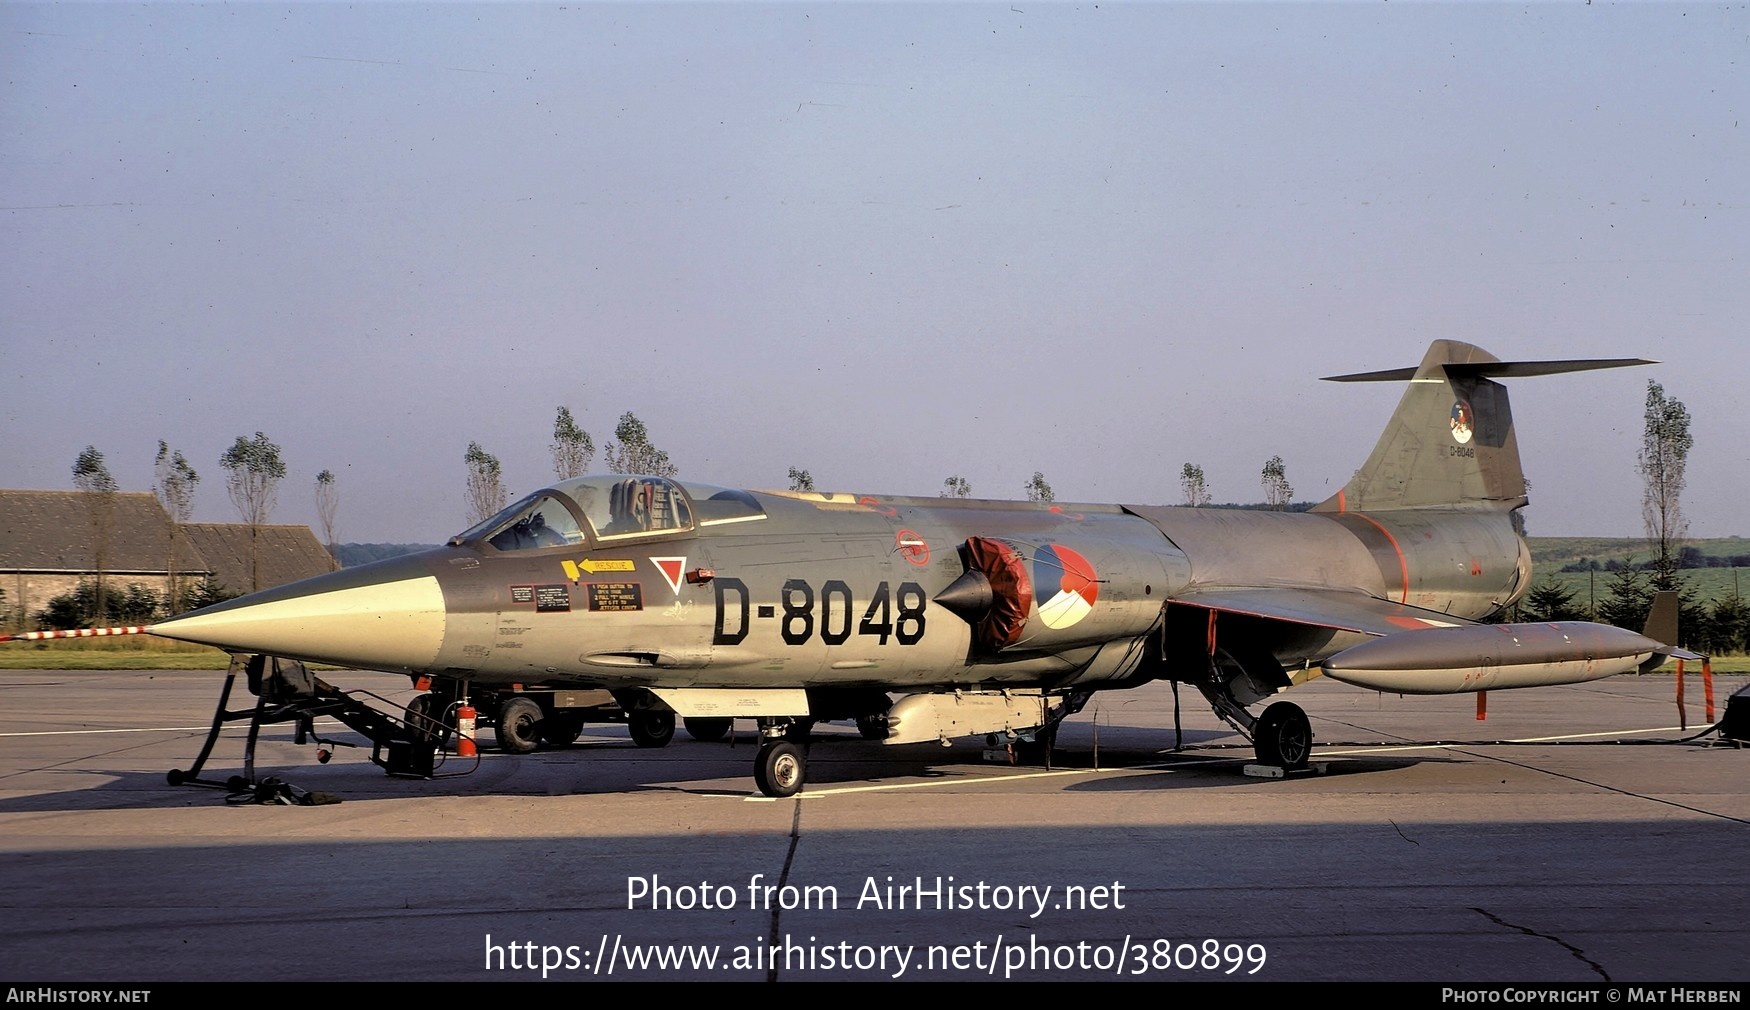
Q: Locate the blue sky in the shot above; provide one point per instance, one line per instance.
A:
(886, 243)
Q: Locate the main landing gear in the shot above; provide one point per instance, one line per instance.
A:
(782, 765)
(1282, 735)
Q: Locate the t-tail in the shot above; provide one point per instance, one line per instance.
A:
(1451, 441)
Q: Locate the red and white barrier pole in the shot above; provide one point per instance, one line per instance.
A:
(43, 636)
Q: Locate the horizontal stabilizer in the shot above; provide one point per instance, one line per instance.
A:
(1496, 369)
(1451, 441)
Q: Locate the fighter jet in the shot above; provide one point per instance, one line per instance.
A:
(929, 619)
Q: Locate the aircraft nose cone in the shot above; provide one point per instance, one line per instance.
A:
(385, 616)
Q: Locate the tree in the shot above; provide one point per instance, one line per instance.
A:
(254, 470)
(204, 593)
(634, 453)
(486, 494)
(801, 480)
(1277, 491)
(572, 447)
(1196, 490)
(174, 482)
(91, 477)
(1551, 601)
(956, 487)
(327, 505)
(1665, 446)
(1728, 625)
(134, 604)
(1628, 599)
(1038, 490)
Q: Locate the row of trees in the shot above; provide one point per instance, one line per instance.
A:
(1717, 626)
(572, 449)
(254, 468)
(631, 451)
(1278, 493)
(129, 604)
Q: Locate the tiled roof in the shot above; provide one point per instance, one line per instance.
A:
(54, 531)
(285, 554)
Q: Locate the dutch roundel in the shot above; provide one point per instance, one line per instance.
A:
(1077, 586)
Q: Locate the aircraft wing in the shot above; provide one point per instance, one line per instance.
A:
(1322, 608)
(1448, 655)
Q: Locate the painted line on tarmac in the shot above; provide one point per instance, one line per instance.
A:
(1486, 743)
(968, 781)
(92, 732)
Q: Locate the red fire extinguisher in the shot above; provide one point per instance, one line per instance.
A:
(465, 731)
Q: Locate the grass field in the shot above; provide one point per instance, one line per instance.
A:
(1590, 588)
(133, 653)
(1558, 551)
(1549, 555)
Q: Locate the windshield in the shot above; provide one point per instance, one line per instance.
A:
(540, 520)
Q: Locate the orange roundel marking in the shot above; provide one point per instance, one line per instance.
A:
(913, 547)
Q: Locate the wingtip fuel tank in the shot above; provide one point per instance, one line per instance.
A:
(1490, 657)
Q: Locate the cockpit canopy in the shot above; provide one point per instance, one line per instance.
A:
(610, 507)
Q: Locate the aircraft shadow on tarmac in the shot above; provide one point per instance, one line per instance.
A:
(604, 762)
(1330, 901)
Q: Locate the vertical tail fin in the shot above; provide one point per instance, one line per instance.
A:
(1451, 441)
(1662, 618)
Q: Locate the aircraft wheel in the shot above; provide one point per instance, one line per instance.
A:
(422, 720)
(780, 769)
(1283, 736)
(519, 725)
(798, 731)
(561, 731)
(651, 728)
(708, 730)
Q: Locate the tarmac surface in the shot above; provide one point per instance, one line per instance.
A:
(1435, 848)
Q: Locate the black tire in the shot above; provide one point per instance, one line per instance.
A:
(708, 730)
(780, 769)
(872, 726)
(798, 732)
(561, 730)
(519, 725)
(651, 727)
(1283, 736)
(423, 721)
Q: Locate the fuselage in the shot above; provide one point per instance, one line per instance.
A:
(626, 582)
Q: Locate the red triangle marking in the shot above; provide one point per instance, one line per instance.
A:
(671, 570)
